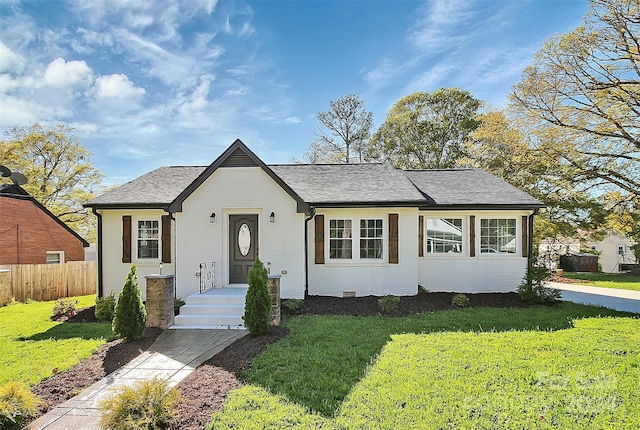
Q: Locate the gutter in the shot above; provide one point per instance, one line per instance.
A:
(312, 214)
(100, 284)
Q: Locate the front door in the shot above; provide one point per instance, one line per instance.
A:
(243, 246)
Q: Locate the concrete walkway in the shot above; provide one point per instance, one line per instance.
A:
(621, 300)
(173, 356)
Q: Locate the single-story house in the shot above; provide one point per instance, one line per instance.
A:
(31, 234)
(333, 230)
(615, 251)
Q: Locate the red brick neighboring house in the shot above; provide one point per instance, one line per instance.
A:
(31, 234)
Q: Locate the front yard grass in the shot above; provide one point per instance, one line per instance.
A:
(468, 368)
(622, 281)
(33, 347)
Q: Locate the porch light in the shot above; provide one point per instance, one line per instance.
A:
(272, 217)
(212, 218)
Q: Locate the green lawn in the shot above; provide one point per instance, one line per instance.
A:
(32, 346)
(608, 280)
(468, 368)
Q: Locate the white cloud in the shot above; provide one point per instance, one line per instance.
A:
(117, 87)
(60, 74)
(292, 120)
(9, 60)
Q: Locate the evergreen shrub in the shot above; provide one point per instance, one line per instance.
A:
(17, 404)
(129, 321)
(533, 288)
(105, 307)
(257, 308)
(145, 405)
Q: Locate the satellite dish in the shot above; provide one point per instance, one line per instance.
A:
(4, 171)
(18, 178)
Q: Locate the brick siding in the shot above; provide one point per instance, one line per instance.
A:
(27, 233)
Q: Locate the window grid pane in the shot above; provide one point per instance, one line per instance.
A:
(371, 238)
(148, 239)
(498, 236)
(444, 235)
(340, 234)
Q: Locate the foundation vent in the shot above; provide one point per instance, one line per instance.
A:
(348, 294)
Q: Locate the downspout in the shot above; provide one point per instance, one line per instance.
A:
(100, 285)
(312, 214)
(174, 232)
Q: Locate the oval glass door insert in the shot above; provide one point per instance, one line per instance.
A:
(244, 240)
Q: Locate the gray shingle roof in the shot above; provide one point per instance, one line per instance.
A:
(156, 188)
(348, 183)
(468, 187)
(339, 184)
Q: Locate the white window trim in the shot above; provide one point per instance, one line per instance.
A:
(136, 238)
(498, 255)
(355, 259)
(447, 255)
(59, 253)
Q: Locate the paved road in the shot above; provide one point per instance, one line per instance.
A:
(621, 300)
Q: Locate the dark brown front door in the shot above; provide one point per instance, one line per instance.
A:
(243, 246)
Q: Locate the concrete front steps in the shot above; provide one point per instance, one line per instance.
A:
(217, 308)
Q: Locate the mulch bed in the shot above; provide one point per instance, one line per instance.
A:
(205, 390)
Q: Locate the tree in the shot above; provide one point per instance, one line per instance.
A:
(504, 149)
(347, 126)
(130, 319)
(424, 130)
(582, 96)
(59, 170)
(257, 309)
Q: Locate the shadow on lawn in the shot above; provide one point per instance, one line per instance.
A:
(69, 330)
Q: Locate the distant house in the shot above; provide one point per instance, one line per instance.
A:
(550, 249)
(615, 250)
(31, 234)
(332, 230)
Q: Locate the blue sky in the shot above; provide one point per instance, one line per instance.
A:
(153, 83)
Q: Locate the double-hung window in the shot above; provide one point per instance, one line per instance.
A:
(55, 257)
(371, 238)
(364, 242)
(498, 236)
(340, 239)
(444, 235)
(148, 239)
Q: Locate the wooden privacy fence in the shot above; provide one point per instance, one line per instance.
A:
(44, 282)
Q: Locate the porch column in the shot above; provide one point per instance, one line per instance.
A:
(274, 292)
(159, 303)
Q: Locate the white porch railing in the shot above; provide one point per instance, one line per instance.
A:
(207, 275)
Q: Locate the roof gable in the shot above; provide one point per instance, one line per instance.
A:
(20, 194)
(237, 155)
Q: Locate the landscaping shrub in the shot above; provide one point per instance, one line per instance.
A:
(257, 309)
(177, 303)
(461, 301)
(105, 307)
(17, 404)
(389, 304)
(130, 315)
(292, 305)
(533, 289)
(65, 306)
(145, 405)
